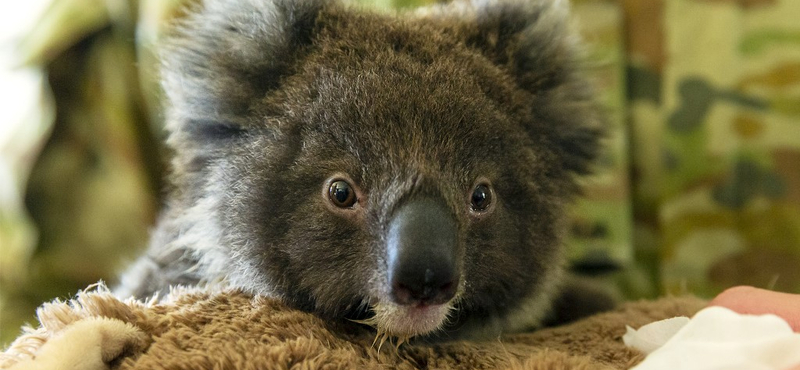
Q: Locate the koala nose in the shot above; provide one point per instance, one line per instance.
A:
(422, 254)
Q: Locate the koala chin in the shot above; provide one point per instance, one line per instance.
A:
(409, 171)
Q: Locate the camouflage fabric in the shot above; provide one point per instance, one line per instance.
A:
(729, 155)
(699, 189)
(714, 100)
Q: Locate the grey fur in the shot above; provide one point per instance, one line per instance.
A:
(266, 100)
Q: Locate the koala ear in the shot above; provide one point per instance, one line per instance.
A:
(535, 43)
(224, 56)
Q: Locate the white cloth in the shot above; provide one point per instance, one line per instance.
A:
(717, 338)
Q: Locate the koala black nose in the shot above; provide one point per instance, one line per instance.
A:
(422, 254)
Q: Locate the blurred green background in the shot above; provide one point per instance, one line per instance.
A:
(699, 190)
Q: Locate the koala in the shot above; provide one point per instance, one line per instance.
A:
(409, 171)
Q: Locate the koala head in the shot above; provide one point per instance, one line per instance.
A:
(407, 170)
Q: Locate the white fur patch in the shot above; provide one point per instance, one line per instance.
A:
(404, 322)
(207, 241)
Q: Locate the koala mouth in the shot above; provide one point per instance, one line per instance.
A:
(405, 321)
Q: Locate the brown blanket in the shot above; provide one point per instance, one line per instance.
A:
(192, 329)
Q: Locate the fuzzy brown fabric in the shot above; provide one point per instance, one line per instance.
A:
(192, 329)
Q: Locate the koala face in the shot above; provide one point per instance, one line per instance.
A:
(407, 171)
(405, 190)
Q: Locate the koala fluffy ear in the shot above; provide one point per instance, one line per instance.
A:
(534, 41)
(225, 55)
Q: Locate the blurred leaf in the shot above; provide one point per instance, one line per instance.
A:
(62, 25)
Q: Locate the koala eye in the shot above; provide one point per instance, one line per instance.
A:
(481, 198)
(341, 194)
